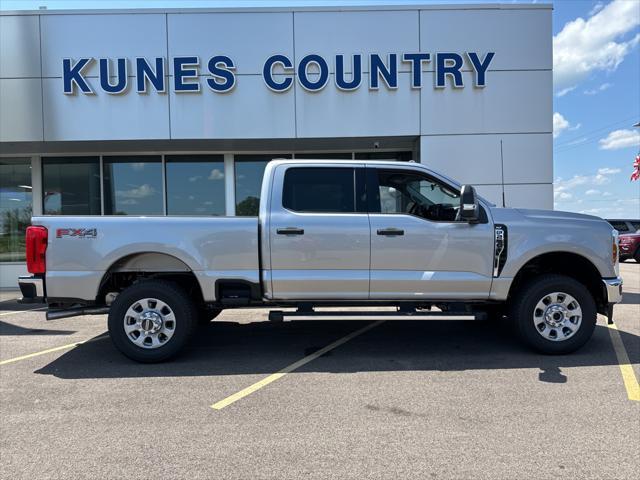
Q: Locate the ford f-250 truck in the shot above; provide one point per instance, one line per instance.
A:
(331, 233)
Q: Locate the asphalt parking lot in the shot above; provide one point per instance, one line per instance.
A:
(421, 399)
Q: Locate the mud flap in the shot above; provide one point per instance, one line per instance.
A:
(610, 313)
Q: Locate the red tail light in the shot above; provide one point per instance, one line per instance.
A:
(36, 247)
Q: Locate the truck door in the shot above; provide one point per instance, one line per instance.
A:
(418, 249)
(319, 233)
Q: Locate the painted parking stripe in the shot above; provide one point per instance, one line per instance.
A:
(51, 350)
(628, 375)
(294, 366)
(23, 311)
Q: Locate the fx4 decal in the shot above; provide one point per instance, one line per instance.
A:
(77, 232)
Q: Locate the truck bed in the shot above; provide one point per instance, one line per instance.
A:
(82, 249)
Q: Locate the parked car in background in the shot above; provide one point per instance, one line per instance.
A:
(625, 226)
(630, 246)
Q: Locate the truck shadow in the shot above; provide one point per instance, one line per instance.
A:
(226, 348)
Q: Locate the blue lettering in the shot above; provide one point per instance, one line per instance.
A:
(144, 74)
(72, 75)
(444, 67)
(356, 75)
(323, 77)
(416, 60)
(121, 83)
(267, 73)
(378, 69)
(480, 67)
(221, 68)
(182, 74)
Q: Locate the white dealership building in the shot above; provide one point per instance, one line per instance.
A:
(177, 112)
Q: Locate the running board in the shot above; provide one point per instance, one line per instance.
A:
(279, 315)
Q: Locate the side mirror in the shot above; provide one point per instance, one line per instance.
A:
(469, 208)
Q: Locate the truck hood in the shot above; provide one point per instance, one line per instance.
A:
(557, 215)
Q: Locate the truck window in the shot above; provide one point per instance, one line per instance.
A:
(415, 194)
(319, 190)
(635, 225)
(620, 226)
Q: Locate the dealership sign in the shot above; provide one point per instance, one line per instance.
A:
(278, 72)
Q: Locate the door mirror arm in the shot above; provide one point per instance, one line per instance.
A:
(469, 207)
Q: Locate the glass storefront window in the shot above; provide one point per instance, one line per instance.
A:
(397, 156)
(71, 185)
(133, 185)
(195, 184)
(15, 207)
(249, 172)
(324, 156)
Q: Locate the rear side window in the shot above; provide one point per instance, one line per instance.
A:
(620, 226)
(635, 225)
(319, 190)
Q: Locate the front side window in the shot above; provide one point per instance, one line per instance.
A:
(319, 190)
(71, 185)
(415, 194)
(195, 184)
(15, 207)
(133, 185)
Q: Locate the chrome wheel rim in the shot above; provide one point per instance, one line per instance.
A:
(149, 323)
(557, 316)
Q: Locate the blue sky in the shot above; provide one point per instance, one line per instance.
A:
(596, 92)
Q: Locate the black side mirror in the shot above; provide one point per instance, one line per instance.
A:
(469, 208)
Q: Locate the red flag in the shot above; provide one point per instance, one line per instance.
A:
(636, 169)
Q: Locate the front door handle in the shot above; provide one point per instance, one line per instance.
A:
(290, 231)
(390, 232)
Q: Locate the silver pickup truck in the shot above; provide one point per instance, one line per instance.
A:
(331, 233)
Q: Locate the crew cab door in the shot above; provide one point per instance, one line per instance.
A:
(319, 232)
(418, 248)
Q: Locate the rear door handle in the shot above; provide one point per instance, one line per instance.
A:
(290, 231)
(390, 231)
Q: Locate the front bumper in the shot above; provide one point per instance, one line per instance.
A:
(32, 289)
(613, 287)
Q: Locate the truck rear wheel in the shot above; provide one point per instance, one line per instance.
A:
(554, 314)
(151, 321)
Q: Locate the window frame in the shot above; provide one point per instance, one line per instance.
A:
(359, 189)
(374, 202)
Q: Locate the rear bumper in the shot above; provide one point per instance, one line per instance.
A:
(32, 289)
(613, 287)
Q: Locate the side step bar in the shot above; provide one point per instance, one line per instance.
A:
(279, 315)
(75, 312)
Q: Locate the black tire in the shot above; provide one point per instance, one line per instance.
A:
(636, 256)
(206, 314)
(183, 310)
(523, 306)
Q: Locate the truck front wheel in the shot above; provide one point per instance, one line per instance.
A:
(151, 321)
(554, 314)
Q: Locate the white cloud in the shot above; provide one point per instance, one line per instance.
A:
(142, 191)
(608, 171)
(216, 174)
(620, 139)
(560, 124)
(601, 88)
(596, 8)
(592, 192)
(564, 91)
(596, 44)
(195, 178)
(562, 196)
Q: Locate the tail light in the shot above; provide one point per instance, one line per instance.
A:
(36, 241)
(615, 242)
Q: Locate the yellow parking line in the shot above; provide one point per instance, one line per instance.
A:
(51, 350)
(628, 375)
(22, 311)
(294, 366)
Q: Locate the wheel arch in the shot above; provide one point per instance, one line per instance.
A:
(570, 264)
(136, 267)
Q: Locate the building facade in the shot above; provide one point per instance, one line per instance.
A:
(177, 112)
